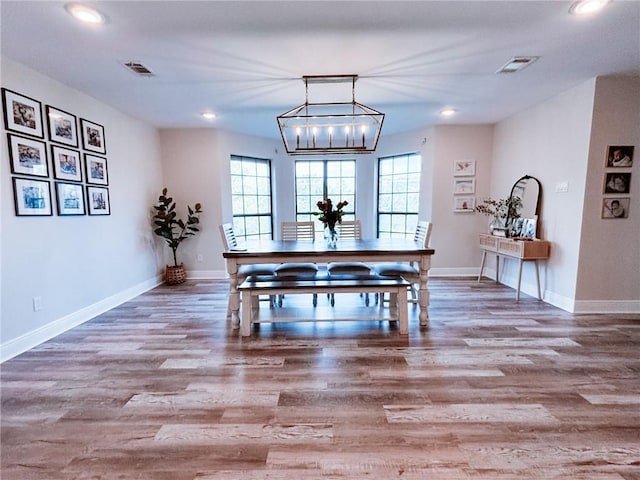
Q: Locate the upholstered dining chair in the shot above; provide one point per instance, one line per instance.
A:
(349, 229)
(230, 242)
(409, 271)
(290, 231)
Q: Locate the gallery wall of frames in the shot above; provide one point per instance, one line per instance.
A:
(62, 161)
(617, 181)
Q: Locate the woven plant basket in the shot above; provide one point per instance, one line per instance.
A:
(175, 275)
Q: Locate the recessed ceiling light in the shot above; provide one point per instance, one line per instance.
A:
(208, 115)
(587, 7)
(84, 13)
(447, 112)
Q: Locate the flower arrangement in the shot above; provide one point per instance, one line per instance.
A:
(328, 215)
(500, 209)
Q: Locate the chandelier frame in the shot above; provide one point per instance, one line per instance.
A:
(330, 127)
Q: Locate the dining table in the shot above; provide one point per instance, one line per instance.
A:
(370, 251)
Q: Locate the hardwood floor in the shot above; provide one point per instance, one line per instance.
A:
(161, 388)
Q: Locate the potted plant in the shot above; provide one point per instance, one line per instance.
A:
(174, 230)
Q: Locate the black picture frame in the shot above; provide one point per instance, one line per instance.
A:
(67, 164)
(27, 156)
(98, 202)
(22, 114)
(63, 127)
(615, 207)
(70, 198)
(96, 169)
(617, 182)
(619, 156)
(92, 136)
(32, 198)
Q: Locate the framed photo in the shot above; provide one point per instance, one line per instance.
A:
(22, 114)
(70, 198)
(96, 169)
(62, 126)
(92, 136)
(464, 204)
(98, 201)
(31, 197)
(620, 156)
(462, 168)
(529, 227)
(66, 164)
(464, 186)
(28, 156)
(617, 182)
(615, 207)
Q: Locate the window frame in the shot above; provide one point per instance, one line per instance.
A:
(410, 217)
(240, 229)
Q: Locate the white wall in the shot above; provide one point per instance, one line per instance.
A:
(79, 266)
(550, 142)
(609, 269)
(196, 169)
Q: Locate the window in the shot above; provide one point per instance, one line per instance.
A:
(320, 179)
(251, 197)
(398, 195)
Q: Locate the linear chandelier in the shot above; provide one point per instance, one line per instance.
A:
(330, 128)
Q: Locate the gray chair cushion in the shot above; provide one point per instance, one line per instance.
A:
(264, 269)
(348, 267)
(296, 269)
(398, 269)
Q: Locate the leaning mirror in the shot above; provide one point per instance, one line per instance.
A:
(525, 225)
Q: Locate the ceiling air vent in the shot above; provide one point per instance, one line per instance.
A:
(139, 69)
(516, 64)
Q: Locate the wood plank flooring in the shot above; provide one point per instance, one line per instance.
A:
(161, 388)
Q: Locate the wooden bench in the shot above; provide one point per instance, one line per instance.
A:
(254, 286)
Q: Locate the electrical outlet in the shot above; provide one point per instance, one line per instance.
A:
(200, 258)
(37, 304)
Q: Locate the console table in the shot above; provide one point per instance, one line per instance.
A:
(522, 250)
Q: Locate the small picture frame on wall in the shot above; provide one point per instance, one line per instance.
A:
(96, 169)
(31, 197)
(464, 186)
(28, 156)
(62, 126)
(66, 164)
(615, 207)
(70, 198)
(92, 136)
(464, 168)
(617, 182)
(98, 201)
(22, 114)
(620, 156)
(464, 204)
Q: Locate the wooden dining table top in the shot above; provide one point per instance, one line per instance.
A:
(346, 247)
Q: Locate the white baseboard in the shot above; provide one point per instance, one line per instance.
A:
(607, 306)
(206, 274)
(454, 272)
(40, 335)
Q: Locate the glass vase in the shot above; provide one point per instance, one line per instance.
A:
(331, 236)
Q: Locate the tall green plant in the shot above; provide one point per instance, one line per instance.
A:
(174, 230)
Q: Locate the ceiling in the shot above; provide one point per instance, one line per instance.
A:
(244, 60)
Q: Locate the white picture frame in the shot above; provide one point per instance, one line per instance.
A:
(464, 168)
(464, 204)
(464, 186)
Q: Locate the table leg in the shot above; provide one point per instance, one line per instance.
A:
(497, 267)
(403, 315)
(425, 265)
(234, 296)
(520, 262)
(538, 279)
(247, 306)
(484, 258)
